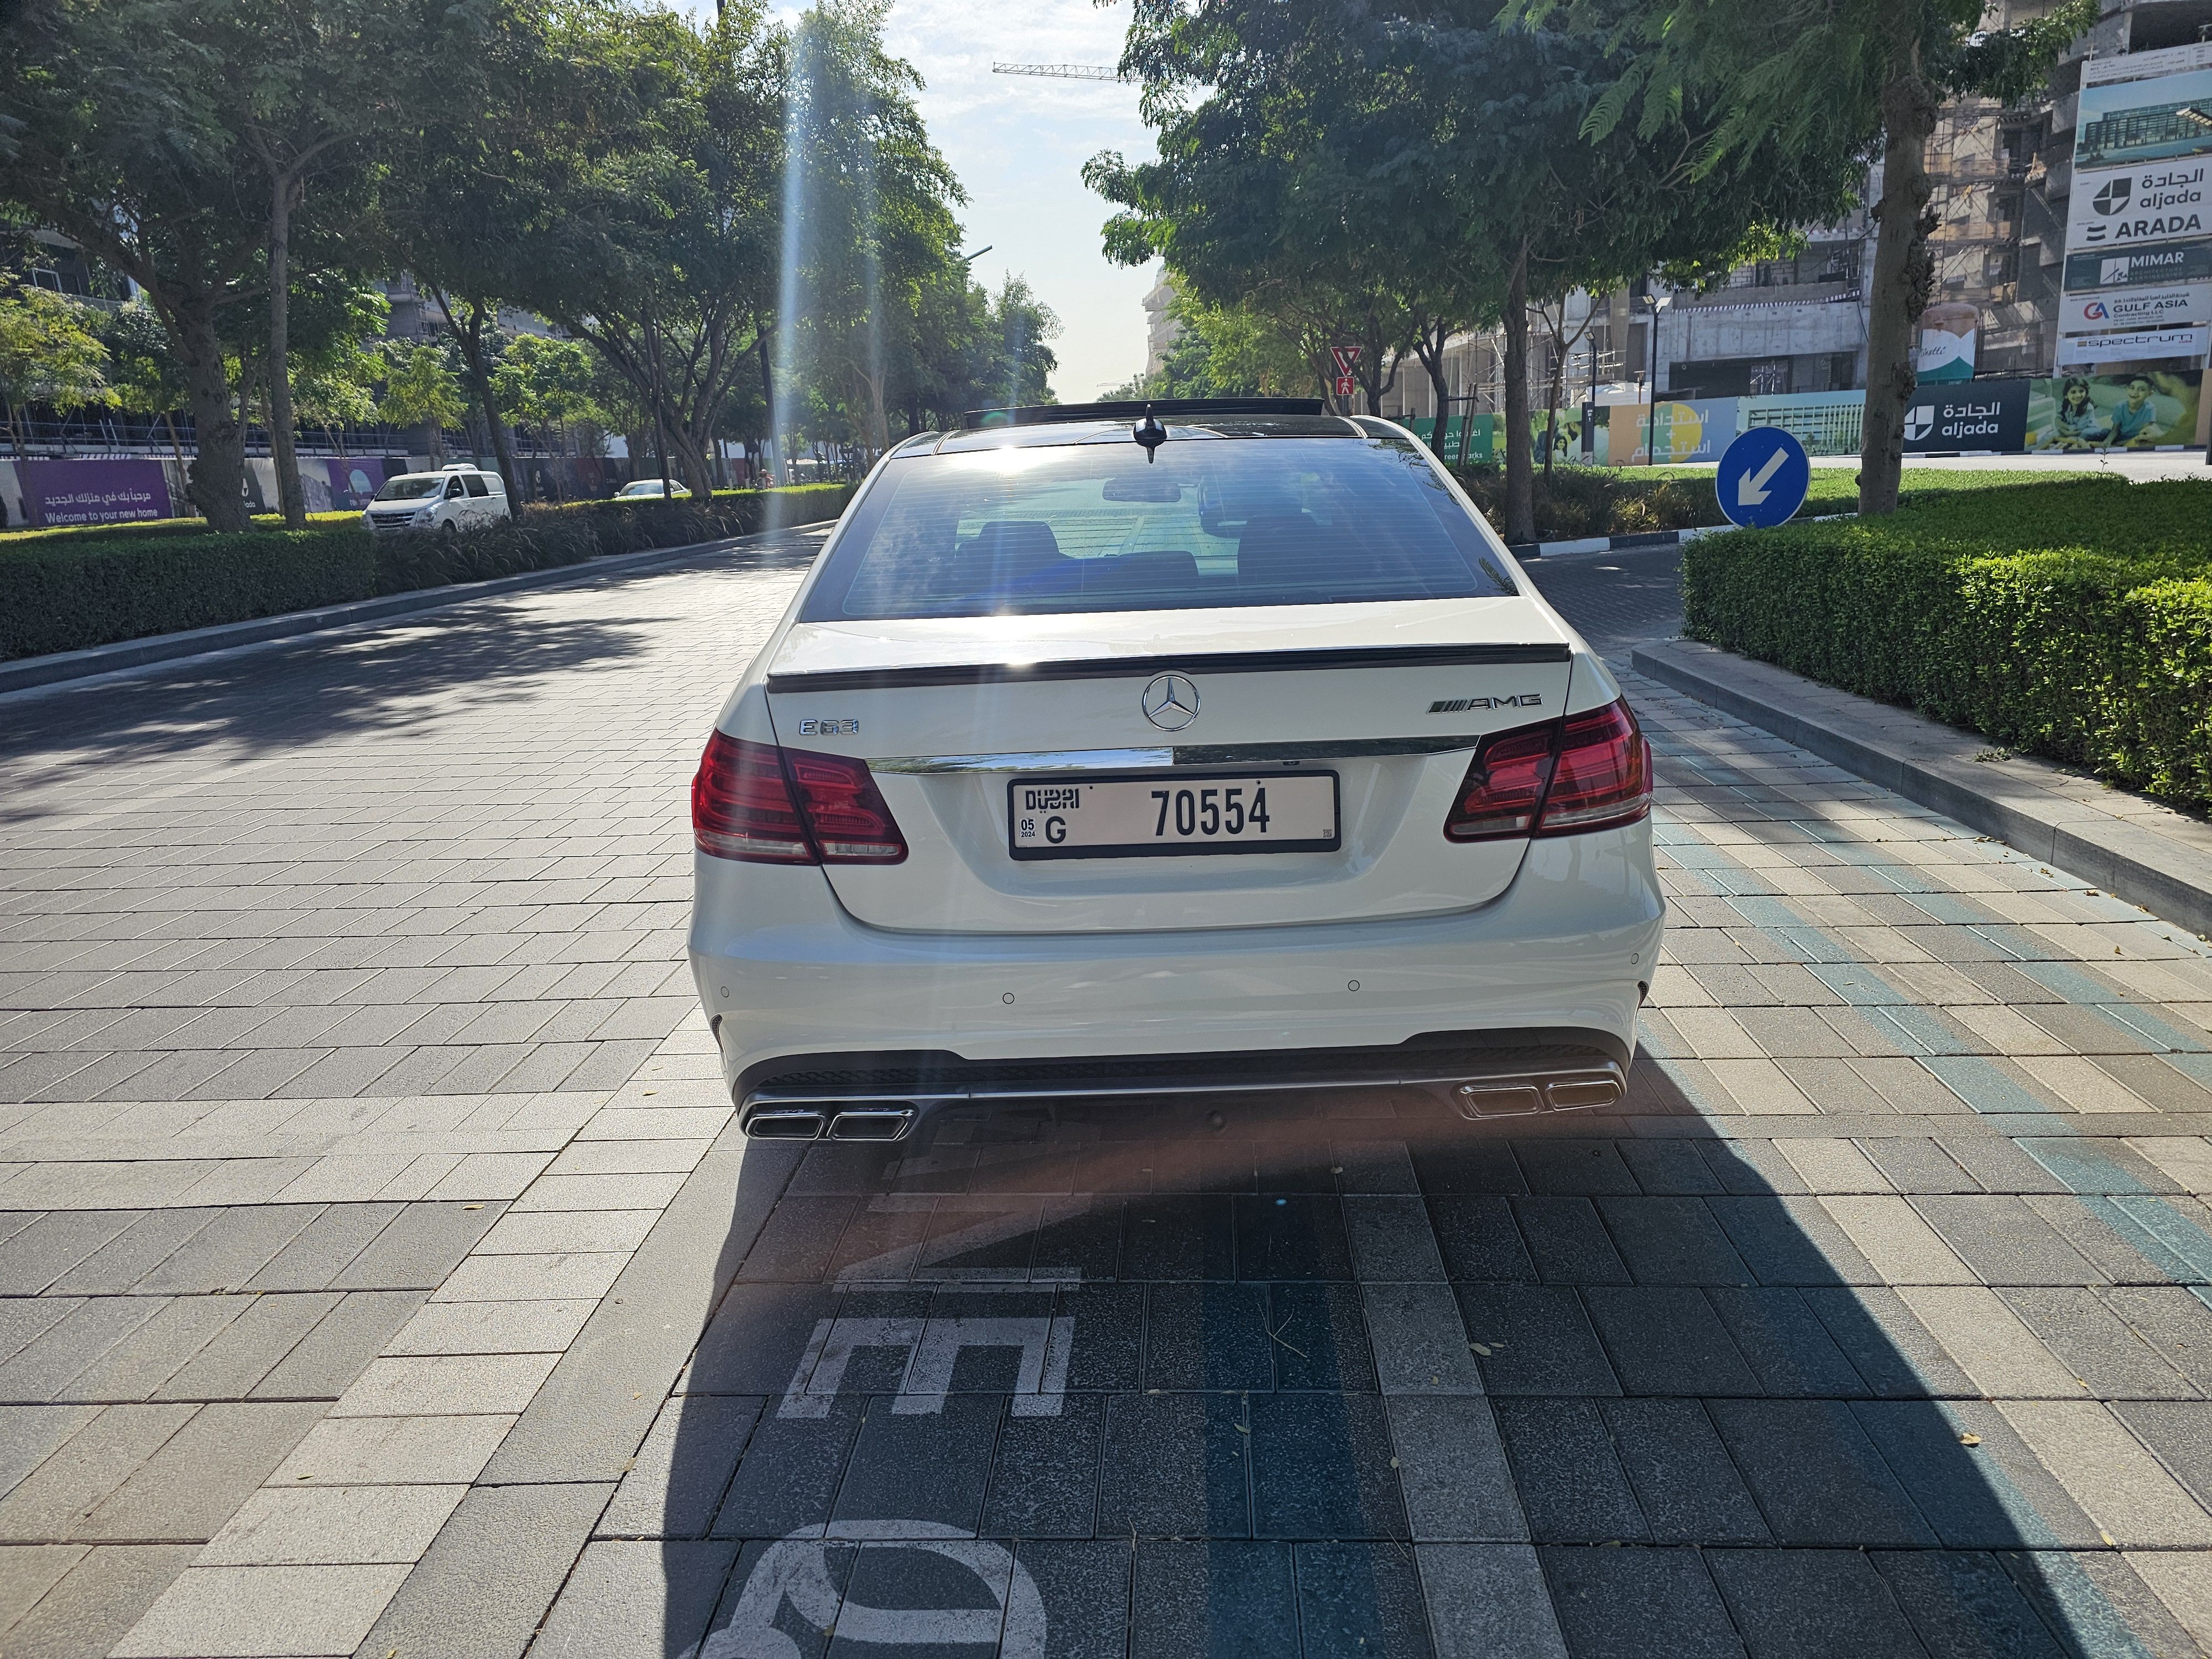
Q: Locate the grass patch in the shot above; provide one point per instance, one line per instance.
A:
(2070, 618)
(69, 589)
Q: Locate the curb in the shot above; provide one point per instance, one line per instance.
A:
(2148, 854)
(1612, 543)
(57, 667)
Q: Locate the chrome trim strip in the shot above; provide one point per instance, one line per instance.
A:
(1218, 754)
(788, 681)
(763, 1102)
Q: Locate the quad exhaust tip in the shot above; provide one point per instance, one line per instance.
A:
(880, 1124)
(1522, 1096)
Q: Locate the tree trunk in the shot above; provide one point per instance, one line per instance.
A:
(14, 436)
(1520, 473)
(769, 458)
(471, 339)
(176, 444)
(1903, 274)
(217, 477)
(291, 499)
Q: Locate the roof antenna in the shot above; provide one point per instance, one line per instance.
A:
(1150, 433)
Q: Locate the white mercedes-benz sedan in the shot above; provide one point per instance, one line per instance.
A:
(1113, 751)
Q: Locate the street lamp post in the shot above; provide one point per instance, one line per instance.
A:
(1651, 412)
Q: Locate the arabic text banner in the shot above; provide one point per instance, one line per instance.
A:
(59, 493)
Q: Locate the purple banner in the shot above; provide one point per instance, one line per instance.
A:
(352, 482)
(56, 493)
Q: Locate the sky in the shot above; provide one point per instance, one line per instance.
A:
(1018, 145)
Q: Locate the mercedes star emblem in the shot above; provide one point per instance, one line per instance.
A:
(1170, 703)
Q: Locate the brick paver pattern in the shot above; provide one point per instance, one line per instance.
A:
(380, 1272)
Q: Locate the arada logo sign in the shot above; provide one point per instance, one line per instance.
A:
(2137, 206)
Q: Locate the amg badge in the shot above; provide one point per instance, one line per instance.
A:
(1460, 705)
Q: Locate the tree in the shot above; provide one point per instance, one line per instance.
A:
(49, 355)
(420, 390)
(667, 229)
(552, 384)
(1426, 157)
(143, 370)
(307, 84)
(1819, 83)
(120, 144)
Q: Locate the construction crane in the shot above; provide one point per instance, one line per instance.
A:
(1062, 71)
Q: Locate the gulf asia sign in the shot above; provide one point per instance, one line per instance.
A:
(2136, 308)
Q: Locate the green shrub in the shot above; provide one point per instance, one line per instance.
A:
(75, 590)
(2070, 619)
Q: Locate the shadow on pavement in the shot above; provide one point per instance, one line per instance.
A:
(405, 673)
(1342, 1378)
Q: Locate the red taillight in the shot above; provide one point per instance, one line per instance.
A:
(1604, 776)
(1505, 787)
(1590, 771)
(770, 806)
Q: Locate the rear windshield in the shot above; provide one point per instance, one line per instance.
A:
(1211, 523)
(410, 489)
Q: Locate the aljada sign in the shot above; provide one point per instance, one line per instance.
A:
(2135, 205)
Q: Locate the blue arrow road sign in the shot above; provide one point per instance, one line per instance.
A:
(1763, 478)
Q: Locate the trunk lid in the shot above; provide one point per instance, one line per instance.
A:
(1389, 697)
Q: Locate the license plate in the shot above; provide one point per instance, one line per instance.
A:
(1171, 814)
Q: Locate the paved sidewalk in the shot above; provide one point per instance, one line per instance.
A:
(380, 1274)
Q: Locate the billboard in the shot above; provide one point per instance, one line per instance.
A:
(2128, 207)
(2144, 123)
(58, 493)
(1692, 430)
(2129, 309)
(1978, 415)
(2177, 261)
(2185, 346)
(2081, 413)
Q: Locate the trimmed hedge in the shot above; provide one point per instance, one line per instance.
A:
(2068, 619)
(1596, 501)
(68, 594)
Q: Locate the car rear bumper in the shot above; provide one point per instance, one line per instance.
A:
(798, 993)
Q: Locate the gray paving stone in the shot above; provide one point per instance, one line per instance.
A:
(43, 1370)
(1213, 1599)
(141, 1247)
(1488, 1601)
(919, 1467)
(105, 1594)
(2093, 1343)
(339, 1346)
(1419, 1342)
(1452, 1471)
(23, 1318)
(788, 1475)
(1479, 1239)
(484, 1584)
(1539, 1341)
(73, 1480)
(188, 1487)
(1963, 1604)
(1391, 1238)
(1084, 1587)
(2005, 1242)
(1683, 1480)
(1786, 1346)
(1571, 1487)
(1319, 1332)
(1812, 1604)
(1359, 1599)
(636, 1600)
(1887, 1345)
(1817, 1478)
(30, 1434)
(2173, 1321)
(1321, 1467)
(1667, 1340)
(1208, 1335)
(225, 1254)
(323, 1250)
(1569, 1242)
(1174, 1465)
(248, 1347)
(1791, 1241)
(27, 1571)
(33, 1258)
(418, 1248)
(1044, 1473)
(1638, 1604)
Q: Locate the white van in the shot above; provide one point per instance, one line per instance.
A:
(456, 498)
